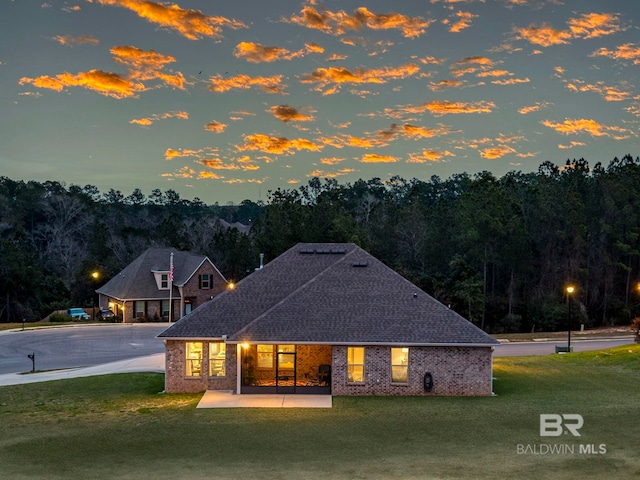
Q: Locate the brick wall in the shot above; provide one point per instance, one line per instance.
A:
(177, 382)
(455, 371)
(192, 288)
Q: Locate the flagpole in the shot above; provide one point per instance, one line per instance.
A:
(170, 287)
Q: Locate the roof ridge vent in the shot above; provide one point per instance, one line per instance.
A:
(306, 251)
(359, 264)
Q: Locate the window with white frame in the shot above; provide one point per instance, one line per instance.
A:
(164, 281)
(165, 308)
(217, 359)
(400, 365)
(205, 281)
(193, 359)
(355, 364)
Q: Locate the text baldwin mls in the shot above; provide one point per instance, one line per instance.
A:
(554, 425)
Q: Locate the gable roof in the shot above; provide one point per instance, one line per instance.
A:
(137, 280)
(327, 293)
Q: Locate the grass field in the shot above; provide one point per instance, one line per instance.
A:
(121, 427)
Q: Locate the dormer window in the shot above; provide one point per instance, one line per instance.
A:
(162, 280)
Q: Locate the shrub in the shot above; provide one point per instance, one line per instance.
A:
(59, 317)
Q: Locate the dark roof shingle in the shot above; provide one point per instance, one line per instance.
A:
(327, 293)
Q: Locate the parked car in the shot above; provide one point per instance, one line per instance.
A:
(78, 314)
(106, 314)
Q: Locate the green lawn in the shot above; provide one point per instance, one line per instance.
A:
(121, 427)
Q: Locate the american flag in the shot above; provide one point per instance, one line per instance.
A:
(171, 268)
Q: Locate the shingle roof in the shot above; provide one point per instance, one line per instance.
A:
(137, 281)
(327, 293)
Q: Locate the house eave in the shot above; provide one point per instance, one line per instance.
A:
(372, 344)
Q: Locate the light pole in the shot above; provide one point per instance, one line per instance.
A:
(95, 275)
(570, 290)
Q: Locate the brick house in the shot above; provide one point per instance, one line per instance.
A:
(327, 318)
(143, 291)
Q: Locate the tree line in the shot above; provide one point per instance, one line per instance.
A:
(499, 250)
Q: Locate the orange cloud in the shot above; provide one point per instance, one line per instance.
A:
(287, 113)
(375, 158)
(586, 125)
(191, 24)
(147, 65)
(438, 107)
(443, 84)
(610, 94)
(313, 48)
(337, 23)
(428, 156)
(217, 164)
(545, 35)
(571, 145)
(496, 152)
(628, 51)
(324, 77)
(342, 141)
(322, 174)
(273, 84)
(105, 83)
(431, 60)
(592, 25)
(277, 145)
(510, 81)
(145, 122)
(414, 131)
(73, 41)
(171, 153)
(256, 53)
(494, 73)
(184, 172)
(336, 57)
(463, 22)
(533, 108)
(204, 175)
(331, 160)
(215, 127)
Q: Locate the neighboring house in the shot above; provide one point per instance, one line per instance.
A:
(143, 291)
(327, 318)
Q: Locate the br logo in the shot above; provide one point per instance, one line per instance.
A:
(554, 425)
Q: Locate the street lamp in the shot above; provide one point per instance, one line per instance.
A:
(570, 290)
(95, 275)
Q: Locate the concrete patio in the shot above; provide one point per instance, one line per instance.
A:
(227, 399)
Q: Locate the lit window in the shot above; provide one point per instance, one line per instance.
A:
(265, 356)
(205, 281)
(355, 364)
(286, 357)
(164, 281)
(400, 365)
(193, 360)
(217, 356)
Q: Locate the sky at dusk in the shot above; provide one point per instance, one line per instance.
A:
(226, 100)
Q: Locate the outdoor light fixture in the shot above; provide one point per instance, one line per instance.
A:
(570, 290)
(231, 285)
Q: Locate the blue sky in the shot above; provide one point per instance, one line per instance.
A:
(225, 101)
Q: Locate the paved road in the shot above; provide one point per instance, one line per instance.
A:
(77, 346)
(519, 349)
